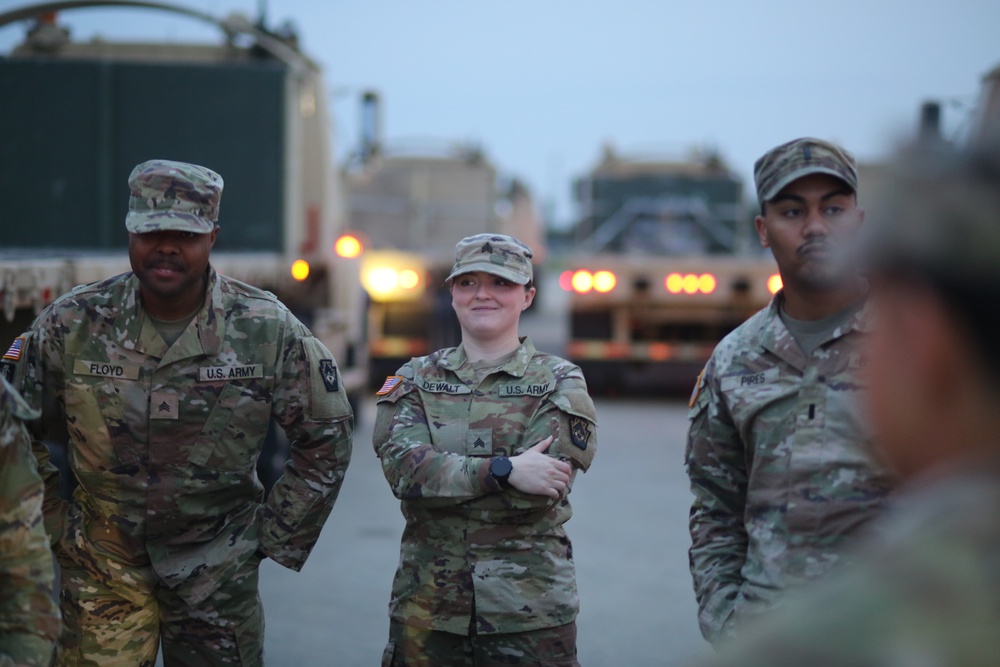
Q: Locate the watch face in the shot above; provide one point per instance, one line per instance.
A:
(501, 467)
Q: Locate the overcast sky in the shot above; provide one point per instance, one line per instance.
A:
(541, 85)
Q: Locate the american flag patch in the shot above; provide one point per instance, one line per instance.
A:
(390, 383)
(14, 352)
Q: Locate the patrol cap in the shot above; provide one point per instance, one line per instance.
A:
(173, 195)
(938, 214)
(800, 157)
(498, 254)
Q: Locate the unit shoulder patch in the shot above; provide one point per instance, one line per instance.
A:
(328, 371)
(579, 431)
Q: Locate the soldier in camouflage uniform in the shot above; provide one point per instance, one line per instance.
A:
(925, 590)
(780, 462)
(163, 381)
(29, 618)
(481, 443)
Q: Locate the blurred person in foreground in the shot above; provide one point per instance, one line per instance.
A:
(481, 443)
(163, 381)
(925, 591)
(782, 467)
(29, 617)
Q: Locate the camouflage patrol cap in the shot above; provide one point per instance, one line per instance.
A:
(173, 195)
(791, 161)
(498, 254)
(938, 213)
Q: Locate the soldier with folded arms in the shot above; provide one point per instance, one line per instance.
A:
(481, 444)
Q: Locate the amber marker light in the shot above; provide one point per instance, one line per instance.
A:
(774, 283)
(348, 247)
(604, 281)
(690, 283)
(674, 283)
(300, 269)
(583, 281)
(706, 283)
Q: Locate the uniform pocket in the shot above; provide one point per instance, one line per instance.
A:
(234, 430)
(95, 413)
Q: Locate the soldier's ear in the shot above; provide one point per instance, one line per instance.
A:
(761, 226)
(529, 298)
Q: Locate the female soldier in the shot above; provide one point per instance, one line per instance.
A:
(481, 443)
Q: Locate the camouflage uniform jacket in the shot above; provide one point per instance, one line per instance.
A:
(164, 440)
(780, 463)
(923, 590)
(470, 547)
(29, 618)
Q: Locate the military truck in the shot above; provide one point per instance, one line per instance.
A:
(664, 265)
(75, 118)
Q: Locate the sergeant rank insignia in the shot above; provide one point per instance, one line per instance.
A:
(390, 383)
(579, 432)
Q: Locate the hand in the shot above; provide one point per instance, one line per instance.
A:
(535, 472)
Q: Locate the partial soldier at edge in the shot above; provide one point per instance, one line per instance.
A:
(29, 617)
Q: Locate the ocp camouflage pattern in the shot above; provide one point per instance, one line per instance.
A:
(29, 618)
(922, 591)
(469, 545)
(180, 196)
(781, 465)
(797, 158)
(164, 441)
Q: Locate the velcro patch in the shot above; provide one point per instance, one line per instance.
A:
(390, 383)
(163, 406)
(210, 373)
(579, 431)
(749, 380)
(479, 442)
(328, 371)
(526, 389)
(106, 369)
(697, 389)
(14, 351)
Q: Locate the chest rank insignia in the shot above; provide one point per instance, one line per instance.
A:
(579, 432)
(390, 383)
(329, 373)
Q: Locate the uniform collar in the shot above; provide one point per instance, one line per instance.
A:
(203, 340)
(517, 366)
(777, 339)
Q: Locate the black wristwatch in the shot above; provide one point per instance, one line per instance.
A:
(500, 469)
